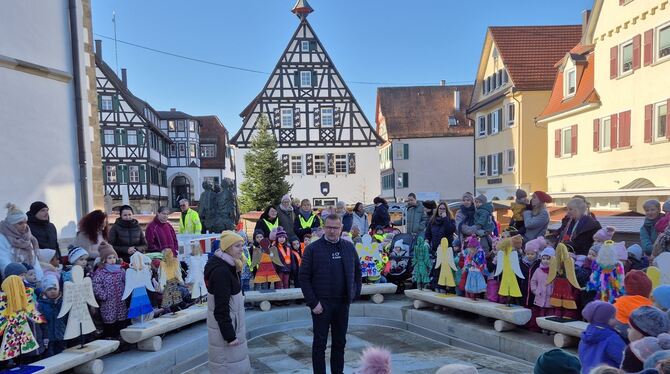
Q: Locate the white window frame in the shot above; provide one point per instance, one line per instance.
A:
(108, 137)
(632, 58)
(511, 119)
(510, 162)
(181, 125)
(111, 173)
(564, 144)
(132, 137)
(482, 166)
(287, 119)
(481, 131)
(191, 126)
(655, 124)
(296, 164)
(172, 126)
(133, 174)
(106, 103)
(494, 165)
(327, 117)
(163, 124)
(207, 150)
(399, 151)
(495, 122)
(304, 45)
(305, 78)
(605, 142)
(453, 121)
(657, 39)
(569, 81)
(320, 160)
(341, 160)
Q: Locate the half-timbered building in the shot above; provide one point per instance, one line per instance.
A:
(134, 149)
(321, 131)
(216, 158)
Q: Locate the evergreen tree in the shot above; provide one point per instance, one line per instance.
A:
(264, 179)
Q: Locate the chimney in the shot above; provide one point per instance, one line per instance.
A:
(457, 100)
(173, 109)
(586, 15)
(124, 77)
(443, 82)
(98, 48)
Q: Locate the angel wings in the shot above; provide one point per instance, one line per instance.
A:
(77, 295)
(445, 262)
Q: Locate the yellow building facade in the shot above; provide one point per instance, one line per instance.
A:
(622, 155)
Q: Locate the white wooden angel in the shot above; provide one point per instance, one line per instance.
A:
(77, 296)
(370, 256)
(445, 262)
(138, 281)
(662, 262)
(507, 263)
(195, 276)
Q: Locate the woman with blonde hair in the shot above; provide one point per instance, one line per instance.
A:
(226, 329)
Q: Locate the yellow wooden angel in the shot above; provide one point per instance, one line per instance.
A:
(507, 263)
(445, 262)
(562, 273)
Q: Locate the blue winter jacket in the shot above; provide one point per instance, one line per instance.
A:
(600, 344)
(50, 309)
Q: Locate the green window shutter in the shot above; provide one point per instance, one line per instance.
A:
(296, 79)
(140, 137)
(117, 137)
(143, 173)
(115, 103)
(104, 173)
(405, 151)
(405, 180)
(99, 102)
(119, 173)
(102, 137)
(314, 79)
(124, 137)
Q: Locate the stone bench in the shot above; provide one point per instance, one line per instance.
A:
(567, 333)
(83, 361)
(377, 290)
(147, 336)
(507, 317)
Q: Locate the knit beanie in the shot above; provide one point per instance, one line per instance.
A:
(36, 207)
(637, 283)
(105, 249)
(228, 238)
(604, 234)
(548, 252)
(473, 242)
(375, 361)
(666, 206)
(636, 251)
(15, 268)
(75, 253)
(457, 369)
(543, 196)
(649, 321)
(468, 195)
(15, 215)
(661, 295)
(520, 194)
(481, 198)
(654, 359)
(647, 346)
(557, 361)
(49, 282)
(598, 312)
(535, 245)
(280, 232)
(45, 254)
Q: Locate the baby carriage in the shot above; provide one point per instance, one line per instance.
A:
(400, 259)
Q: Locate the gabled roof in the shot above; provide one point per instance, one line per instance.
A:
(530, 52)
(420, 112)
(585, 93)
(174, 114)
(135, 103)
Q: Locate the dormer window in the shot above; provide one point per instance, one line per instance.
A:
(569, 82)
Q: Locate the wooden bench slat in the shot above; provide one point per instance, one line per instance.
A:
(164, 323)
(73, 357)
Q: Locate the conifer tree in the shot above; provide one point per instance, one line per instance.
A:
(264, 179)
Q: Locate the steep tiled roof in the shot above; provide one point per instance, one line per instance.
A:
(174, 114)
(585, 93)
(420, 112)
(530, 52)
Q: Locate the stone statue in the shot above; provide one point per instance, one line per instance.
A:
(219, 209)
(205, 205)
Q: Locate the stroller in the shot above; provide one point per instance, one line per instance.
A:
(401, 261)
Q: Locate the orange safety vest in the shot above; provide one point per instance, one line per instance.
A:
(297, 256)
(285, 254)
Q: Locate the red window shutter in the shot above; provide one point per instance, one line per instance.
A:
(624, 129)
(614, 127)
(596, 135)
(614, 62)
(637, 41)
(557, 143)
(573, 134)
(648, 47)
(648, 118)
(621, 2)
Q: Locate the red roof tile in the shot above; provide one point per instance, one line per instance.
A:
(530, 52)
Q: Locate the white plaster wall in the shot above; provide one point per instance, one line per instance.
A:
(443, 165)
(37, 115)
(362, 186)
(192, 173)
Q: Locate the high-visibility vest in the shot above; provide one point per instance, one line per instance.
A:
(306, 224)
(285, 254)
(271, 226)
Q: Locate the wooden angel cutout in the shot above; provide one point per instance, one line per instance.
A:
(138, 281)
(195, 276)
(77, 296)
(507, 263)
(421, 263)
(662, 262)
(369, 255)
(17, 313)
(562, 273)
(608, 273)
(263, 258)
(445, 262)
(169, 279)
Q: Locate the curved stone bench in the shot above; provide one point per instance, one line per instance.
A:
(507, 317)
(147, 336)
(83, 361)
(567, 333)
(377, 290)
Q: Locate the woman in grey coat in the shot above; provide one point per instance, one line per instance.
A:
(536, 220)
(226, 328)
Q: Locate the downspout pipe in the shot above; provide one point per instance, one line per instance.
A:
(518, 157)
(81, 138)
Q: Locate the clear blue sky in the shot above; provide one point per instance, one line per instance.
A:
(392, 42)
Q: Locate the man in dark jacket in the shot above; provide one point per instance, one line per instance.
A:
(43, 230)
(330, 279)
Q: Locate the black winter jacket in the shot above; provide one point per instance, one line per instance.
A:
(380, 217)
(297, 227)
(44, 232)
(438, 229)
(315, 275)
(126, 234)
(222, 281)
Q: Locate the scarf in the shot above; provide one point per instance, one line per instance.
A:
(238, 264)
(305, 215)
(24, 245)
(288, 210)
(469, 214)
(113, 268)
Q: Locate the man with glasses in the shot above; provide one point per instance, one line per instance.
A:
(330, 279)
(189, 222)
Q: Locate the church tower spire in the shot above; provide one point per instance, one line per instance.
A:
(302, 9)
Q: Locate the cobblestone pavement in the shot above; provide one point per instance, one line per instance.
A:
(290, 352)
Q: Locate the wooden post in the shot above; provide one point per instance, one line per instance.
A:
(500, 325)
(420, 304)
(565, 341)
(92, 367)
(153, 344)
(265, 305)
(377, 298)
